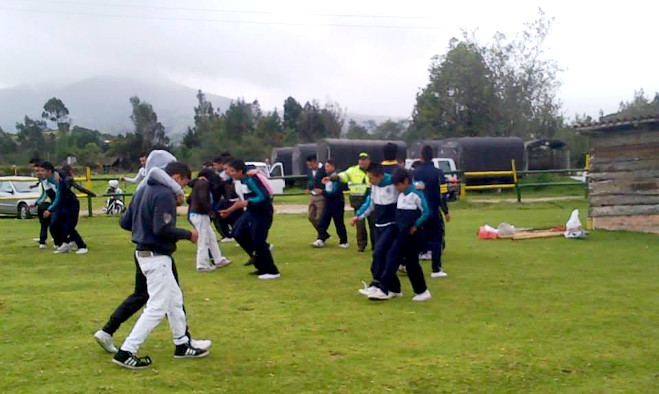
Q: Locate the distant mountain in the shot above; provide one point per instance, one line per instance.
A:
(103, 103)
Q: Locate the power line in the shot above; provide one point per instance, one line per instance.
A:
(215, 10)
(234, 21)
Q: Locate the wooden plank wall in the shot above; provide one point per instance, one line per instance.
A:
(624, 177)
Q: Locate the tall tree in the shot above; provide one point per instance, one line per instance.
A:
(147, 125)
(390, 130)
(292, 111)
(460, 99)
(55, 111)
(7, 144)
(31, 136)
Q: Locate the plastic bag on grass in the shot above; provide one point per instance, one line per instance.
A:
(573, 227)
(487, 232)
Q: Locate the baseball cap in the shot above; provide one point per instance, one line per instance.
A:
(364, 155)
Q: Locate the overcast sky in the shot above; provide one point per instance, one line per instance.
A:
(269, 50)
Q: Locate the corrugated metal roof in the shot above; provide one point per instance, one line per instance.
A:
(619, 123)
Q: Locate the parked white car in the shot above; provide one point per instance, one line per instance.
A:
(16, 196)
(276, 184)
(446, 165)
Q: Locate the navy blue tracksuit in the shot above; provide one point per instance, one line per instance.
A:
(251, 228)
(433, 179)
(334, 210)
(411, 211)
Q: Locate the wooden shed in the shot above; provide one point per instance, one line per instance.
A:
(624, 179)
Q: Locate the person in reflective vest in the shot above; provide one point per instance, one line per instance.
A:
(359, 185)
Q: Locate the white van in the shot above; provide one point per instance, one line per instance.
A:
(447, 166)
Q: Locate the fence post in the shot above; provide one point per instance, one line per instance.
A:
(587, 173)
(463, 190)
(517, 189)
(89, 187)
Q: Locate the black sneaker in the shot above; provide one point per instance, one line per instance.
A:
(250, 261)
(131, 361)
(187, 351)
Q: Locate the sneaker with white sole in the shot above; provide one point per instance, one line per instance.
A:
(271, 247)
(367, 290)
(188, 351)
(269, 276)
(201, 344)
(36, 240)
(425, 296)
(223, 262)
(425, 256)
(131, 361)
(105, 340)
(344, 246)
(43, 246)
(396, 295)
(207, 269)
(63, 248)
(226, 239)
(82, 251)
(440, 274)
(379, 295)
(402, 269)
(319, 243)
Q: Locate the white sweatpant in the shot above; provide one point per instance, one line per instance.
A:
(165, 298)
(207, 241)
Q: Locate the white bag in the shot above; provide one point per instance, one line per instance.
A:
(573, 226)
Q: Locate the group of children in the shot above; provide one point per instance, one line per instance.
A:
(58, 207)
(406, 208)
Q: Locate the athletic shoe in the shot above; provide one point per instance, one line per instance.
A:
(269, 276)
(255, 272)
(366, 290)
(379, 295)
(201, 344)
(396, 295)
(207, 269)
(187, 351)
(319, 243)
(271, 247)
(131, 361)
(223, 262)
(425, 296)
(344, 246)
(64, 248)
(425, 256)
(401, 268)
(250, 261)
(82, 251)
(440, 274)
(36, 240)
(226, 239)
(43, 246)
(105, 340)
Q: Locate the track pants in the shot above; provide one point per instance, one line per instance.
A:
(434, 233)
(44, 222)
(133, 302)
(334, 210)
(165, 299)
(207, 241)
(406, 248)
(385, 238)
(251, 233)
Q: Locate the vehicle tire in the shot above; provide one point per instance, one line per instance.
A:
(23, 211)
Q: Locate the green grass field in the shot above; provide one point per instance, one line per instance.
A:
(550, 315)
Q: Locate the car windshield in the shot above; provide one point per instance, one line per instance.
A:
(24, 187)
(444, 166)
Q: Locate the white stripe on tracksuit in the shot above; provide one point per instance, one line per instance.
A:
(207, 241)
(165, 298)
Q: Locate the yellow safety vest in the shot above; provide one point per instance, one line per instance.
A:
(357, 180)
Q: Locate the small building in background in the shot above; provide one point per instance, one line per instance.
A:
(546, 155)
(624, 178)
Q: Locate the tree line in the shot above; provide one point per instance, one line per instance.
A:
(507, 87)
